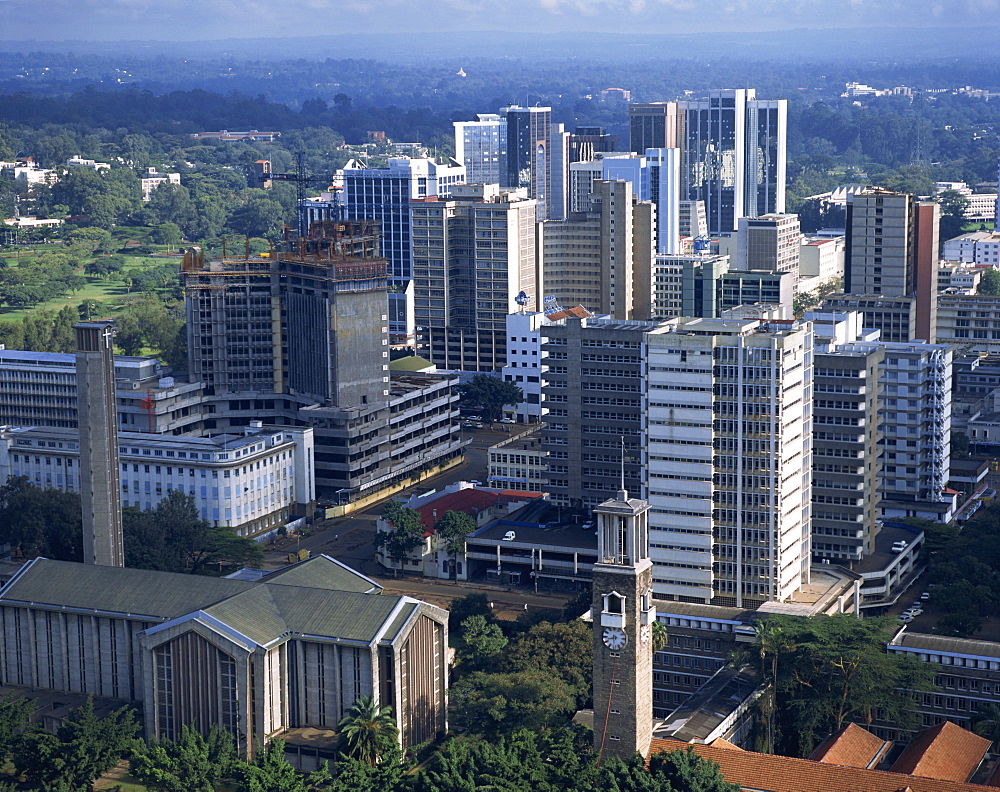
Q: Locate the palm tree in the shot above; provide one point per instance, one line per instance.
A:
(660, 637)
(368, 731)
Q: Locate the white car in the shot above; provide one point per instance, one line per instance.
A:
(508, 537)
(507, 420)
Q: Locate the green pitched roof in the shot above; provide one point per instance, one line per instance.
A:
(319, 596)
(142, 592)
(323, 572)
(266, 613)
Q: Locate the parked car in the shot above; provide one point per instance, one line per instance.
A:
(509, 536)
(925, 596)
(507, 420)
(898, 547)
(904, 619)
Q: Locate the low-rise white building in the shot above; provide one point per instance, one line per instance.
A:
(976, 247)
(80, 162)
(254, 482)
(152, 179)
(432, 558)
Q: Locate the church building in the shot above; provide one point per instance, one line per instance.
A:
(280, 655)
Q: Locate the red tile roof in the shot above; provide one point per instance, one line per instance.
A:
(756, 772)
(945, 751)
(469, 501)
(852, 746)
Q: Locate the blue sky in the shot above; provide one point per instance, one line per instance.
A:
(106, 20)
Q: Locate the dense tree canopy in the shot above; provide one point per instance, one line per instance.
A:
(826, 672)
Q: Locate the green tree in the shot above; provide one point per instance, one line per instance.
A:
(406, 532)
(388, 775)
(489, 394)
(989, 283)
(173, 537)
(91, 240)
(168, 234)
(63, 335)
(191, 763)
(481, 643)
(453, 527)
(128, 335)
(105, 266)
(494, 704)
(684, 769)
(953, 206)
(83, 748)
(839, 672)
(15, 714)
(270, 772)
(461, 608)
(986, 721)
(565, 650)
(368, 731)
(43, 521)
(659, 636)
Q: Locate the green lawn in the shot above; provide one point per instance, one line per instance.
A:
(111, 293)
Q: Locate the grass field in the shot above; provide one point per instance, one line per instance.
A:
(110, 293)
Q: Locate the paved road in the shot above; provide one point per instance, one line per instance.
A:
(349, 539)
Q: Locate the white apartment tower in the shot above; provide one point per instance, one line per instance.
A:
(729, 459)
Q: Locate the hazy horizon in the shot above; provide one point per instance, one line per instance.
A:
(200, 20)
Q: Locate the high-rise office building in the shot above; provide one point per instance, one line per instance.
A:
(652, 125)
(847, 440)
(301, 337)
(733, 155)
(529, 163)
(472, 256)
(592, 394)
(654, 177)
(728, 459)
(586, 141)
(383, 195)
(481, 146)
(769, 242)
(602, 259)
(559, 161)
(892, 251)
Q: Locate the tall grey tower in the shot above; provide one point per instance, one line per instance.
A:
(623, 615)
(100, 488)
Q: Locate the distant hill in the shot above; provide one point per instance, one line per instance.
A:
(876, 44)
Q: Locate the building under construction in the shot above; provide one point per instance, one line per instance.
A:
(300, 335)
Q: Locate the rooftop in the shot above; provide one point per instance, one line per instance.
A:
(940, 644)
(319, 596)
(945, 751)
(852, 746)
(770, 773)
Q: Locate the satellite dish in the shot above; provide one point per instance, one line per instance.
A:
(522, 299)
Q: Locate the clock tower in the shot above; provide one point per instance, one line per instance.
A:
(623, 615)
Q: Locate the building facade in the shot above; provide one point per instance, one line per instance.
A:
(481, 146)
(733, 155)
(728, 459)
(282, 655)
(383, 195)
(472, 256)
(253, 482)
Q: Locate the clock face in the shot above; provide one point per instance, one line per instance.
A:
(614, 638)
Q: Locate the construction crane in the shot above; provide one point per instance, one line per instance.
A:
(301, 180)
